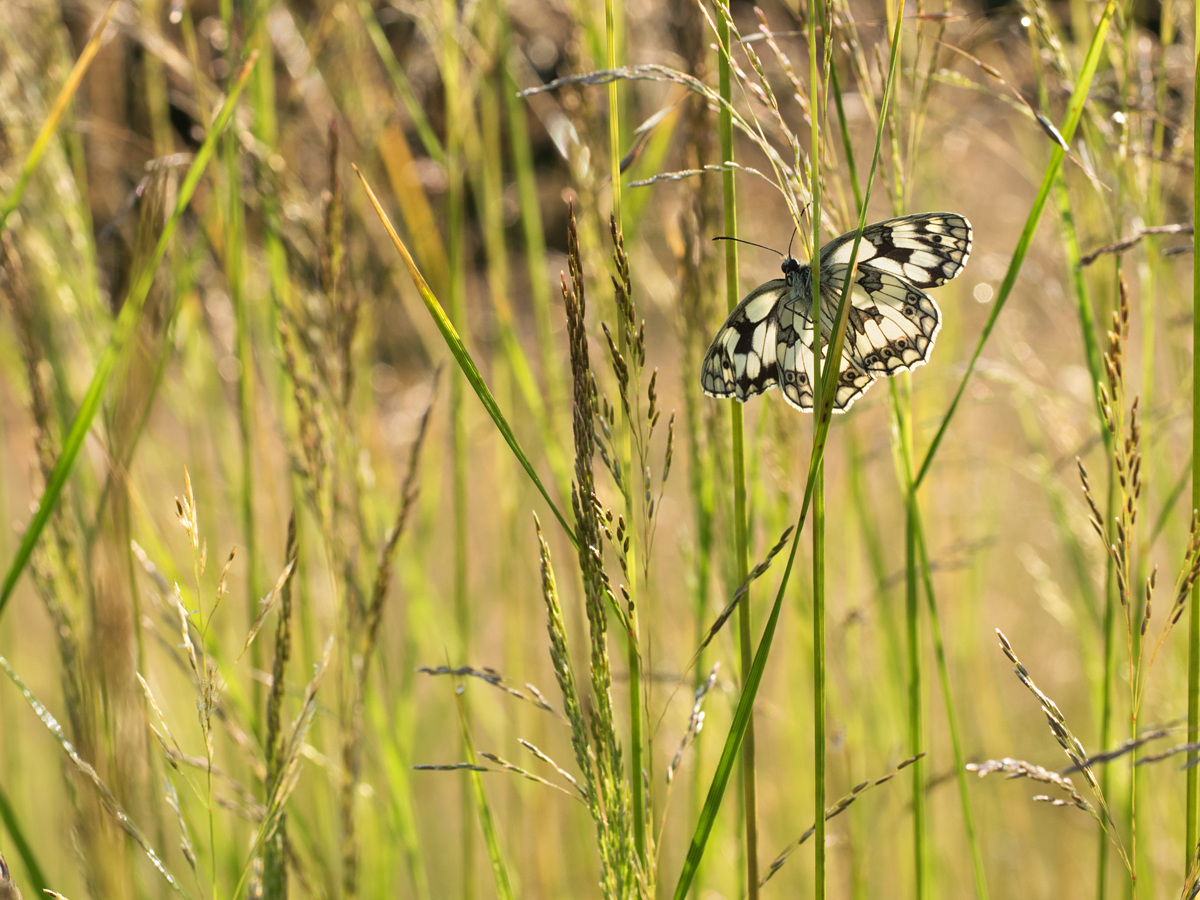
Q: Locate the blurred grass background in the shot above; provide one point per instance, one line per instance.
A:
(285, 359)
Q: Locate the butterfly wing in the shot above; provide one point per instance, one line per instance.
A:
(891, 325)
(925, 250)
(795, 352)
(740, 362)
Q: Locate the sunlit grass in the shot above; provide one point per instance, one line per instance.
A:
(246, 310)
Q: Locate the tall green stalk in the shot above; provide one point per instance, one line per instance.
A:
(451, 59)
(629, 477)
(912, 622)
(740, 728)
(818, 526)
(234, 222)
(741, 546)
(1193, 774)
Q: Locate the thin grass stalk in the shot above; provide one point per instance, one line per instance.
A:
(275, 850)
(126, 325)
(535, 256)
(739, 728)
(1109, 675)
(1074, 111)
(818, 529)
(912, 629)
(741, 544)
(1087, 320)
(1192, 800)
(632, 505)
(491, 840)
(960, 768)
(456, 122)
(234, 227)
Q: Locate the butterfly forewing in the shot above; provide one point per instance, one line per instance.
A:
(925, 250)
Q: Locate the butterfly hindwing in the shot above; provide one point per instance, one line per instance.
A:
(740, 362)
(891, 325)
(925, 250)
(795, 356)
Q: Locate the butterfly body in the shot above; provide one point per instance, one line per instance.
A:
(892, 324)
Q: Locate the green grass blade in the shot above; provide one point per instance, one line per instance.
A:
(24, 850)
(70, 86)
(960, 769)
(753, 676)
(504, 889)
(1074, 111)
(412, 105)
(463, 358)
(741, 543)
(824, 388)
(127, 322)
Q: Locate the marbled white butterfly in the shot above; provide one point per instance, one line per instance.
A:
(767, 340)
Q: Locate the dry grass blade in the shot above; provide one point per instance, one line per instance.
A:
(835, 810)
(695, 721)
(743, 589)
(50, 125)
(1127, 242)
(496, 680)
(1018, 768)
(107, 799)
(1070, 744)
(1191, 747)
(550, 762)
(267, 604)
(526, 774)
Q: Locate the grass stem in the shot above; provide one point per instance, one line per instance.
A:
(815, 20)
(741, 545)
(1192, 801)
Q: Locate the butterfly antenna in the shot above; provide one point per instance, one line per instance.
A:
(722, 237)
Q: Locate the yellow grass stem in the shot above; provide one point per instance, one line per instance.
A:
(1192, 802)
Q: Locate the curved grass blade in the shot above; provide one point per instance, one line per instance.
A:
(126, 324)
(741, 717)
(1074, 112)
(9, 818)
(463, 357)
(70, 86)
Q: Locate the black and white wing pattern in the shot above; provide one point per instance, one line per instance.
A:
(795, 353)
(892, 324)
(740, 362)
(925, 250)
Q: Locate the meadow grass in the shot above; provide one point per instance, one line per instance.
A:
(318, 671)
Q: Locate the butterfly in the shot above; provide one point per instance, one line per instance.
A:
(767, 341)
